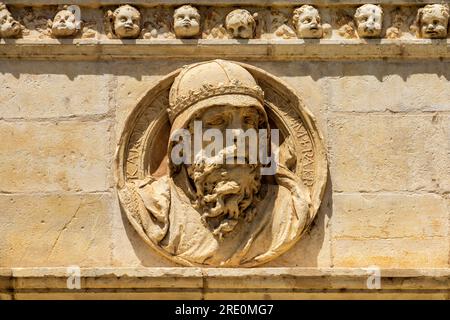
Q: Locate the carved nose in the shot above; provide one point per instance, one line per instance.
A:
(314, 25)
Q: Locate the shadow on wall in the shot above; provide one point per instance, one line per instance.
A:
(315, 69)
(314, 247)
(378, 69)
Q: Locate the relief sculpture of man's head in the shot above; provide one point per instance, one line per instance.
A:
(226, 198)
(226, 191)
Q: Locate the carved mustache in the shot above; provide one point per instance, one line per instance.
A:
(227, 155)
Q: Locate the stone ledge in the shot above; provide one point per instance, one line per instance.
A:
(153, 3)
(198, 283)
(256, 49)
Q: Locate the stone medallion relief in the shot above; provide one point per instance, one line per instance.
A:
(204, 212)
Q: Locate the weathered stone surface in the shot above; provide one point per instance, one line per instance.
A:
(390, 152)
(133, 79)
(232, 217)
(385, 126)
(53, 89)
(195, 283)
(400, 253)
(389, 216)
(390, 86)
(55, 156)
(55, 230)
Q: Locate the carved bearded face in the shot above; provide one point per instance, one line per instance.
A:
(226, 191)
(434, 21)
(307, 22)
(240, 23)
(8, 26)
(127, 21)
(369, 19)
(186, 22)
(64, 24)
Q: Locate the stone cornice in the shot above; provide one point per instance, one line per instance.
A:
(153, 3)
(210, 283)
(255, 49)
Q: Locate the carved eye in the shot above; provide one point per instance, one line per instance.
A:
(181, 17)
(123, 19)
(435, 22)
(241, 28)
(249, 120)
(307, 20)
(364, 19)
(219, 121)
(67, 17)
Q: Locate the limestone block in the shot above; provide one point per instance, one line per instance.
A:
(391, 253)
(50, 89)
(390, 152)
(389, 86)
(389, 216)
(55, 230)
(309, 80)
(54, 156)
(134, 79)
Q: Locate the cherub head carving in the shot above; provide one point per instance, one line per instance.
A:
(186, 22)
(369, 20)
(9, 27)
(67, 22)
(241, 24)
(432, 21)
(127, 22)
(307, 22)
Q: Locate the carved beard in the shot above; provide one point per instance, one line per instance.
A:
(225, 193)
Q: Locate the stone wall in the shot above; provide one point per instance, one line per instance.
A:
(386, 128)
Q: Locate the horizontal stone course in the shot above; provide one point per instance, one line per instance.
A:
(215, 2)
(210, 283)
(256, 49)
